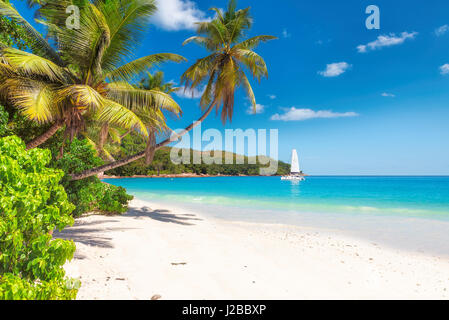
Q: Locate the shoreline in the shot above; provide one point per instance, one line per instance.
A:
(179, 175)
(175, 175)
(180, 254)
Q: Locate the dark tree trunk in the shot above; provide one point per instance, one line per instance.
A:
(103, 136)
(44, 137)
(151, 148)
(137, 156)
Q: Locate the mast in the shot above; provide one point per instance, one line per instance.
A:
(295, 163)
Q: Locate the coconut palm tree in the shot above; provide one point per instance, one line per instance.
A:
(222, 71)
(153, 117)
(156, 82)
(87, 77)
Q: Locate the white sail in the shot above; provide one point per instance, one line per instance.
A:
(295, 162)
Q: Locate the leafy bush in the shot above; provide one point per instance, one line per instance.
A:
(103, 198)
(3, 122)
(89, 194)
(32, 204)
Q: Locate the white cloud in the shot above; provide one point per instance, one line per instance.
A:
(190, 93)
(285, 34)
(441, 30)
(176, 15)
(335, 69)
(322, 42)
(386, 94)
(444, 69)
(272, 96)
(259, 109)
(294, 114)
(386, 41)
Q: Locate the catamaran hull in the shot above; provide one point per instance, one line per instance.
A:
(299, 178)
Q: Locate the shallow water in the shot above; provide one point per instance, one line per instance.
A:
(405, 212)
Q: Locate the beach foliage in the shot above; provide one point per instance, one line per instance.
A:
(230, 57)
(89, 194)
(77, 77)
(13, 34)
(32, 204)
(4, 117)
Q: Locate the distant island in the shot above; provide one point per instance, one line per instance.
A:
(162, 166)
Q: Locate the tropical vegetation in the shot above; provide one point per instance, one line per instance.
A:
(32, 204)
(72, 107)
(222, 71)
(162, 164)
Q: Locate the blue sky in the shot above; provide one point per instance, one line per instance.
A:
(383, 111)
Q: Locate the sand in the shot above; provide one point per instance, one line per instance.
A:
(171, 253)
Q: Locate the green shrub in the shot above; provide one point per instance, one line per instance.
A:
(4, 119)
(89, 194)
(103, 198)
(32, 204)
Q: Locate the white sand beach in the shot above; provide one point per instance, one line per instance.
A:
(176, 254)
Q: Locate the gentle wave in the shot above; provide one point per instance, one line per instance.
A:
(261, 204)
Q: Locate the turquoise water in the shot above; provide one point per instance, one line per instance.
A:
(426, 197)
(410, 212)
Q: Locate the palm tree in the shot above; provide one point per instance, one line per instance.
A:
(223, 69)
(87, 77)
(153, 117)
(221, 72)
(156, 82)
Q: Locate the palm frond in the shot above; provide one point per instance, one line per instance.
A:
(127, 21)
(83, 97)
(196, 73)
(252, 61)
(115, 135)
(116, 114)
(206, 42)
(253, 42)
(34, 99)
(132, 69)
(83, 47)
(39, 45)
(100, 42)
(134, 98)
(249, 90)
(32, 65)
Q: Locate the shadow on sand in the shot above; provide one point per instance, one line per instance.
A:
(162, 215)
(92, 234)
(83, 232)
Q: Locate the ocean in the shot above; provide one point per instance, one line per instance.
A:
(401, 211)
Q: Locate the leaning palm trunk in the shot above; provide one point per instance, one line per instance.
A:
(80, 73)
(137, 156)
(103, 136)
(44, 137)
(151, 148)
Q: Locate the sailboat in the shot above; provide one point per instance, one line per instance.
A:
(295, 173)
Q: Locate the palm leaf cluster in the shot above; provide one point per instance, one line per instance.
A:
(230, 56)
(81, 77)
